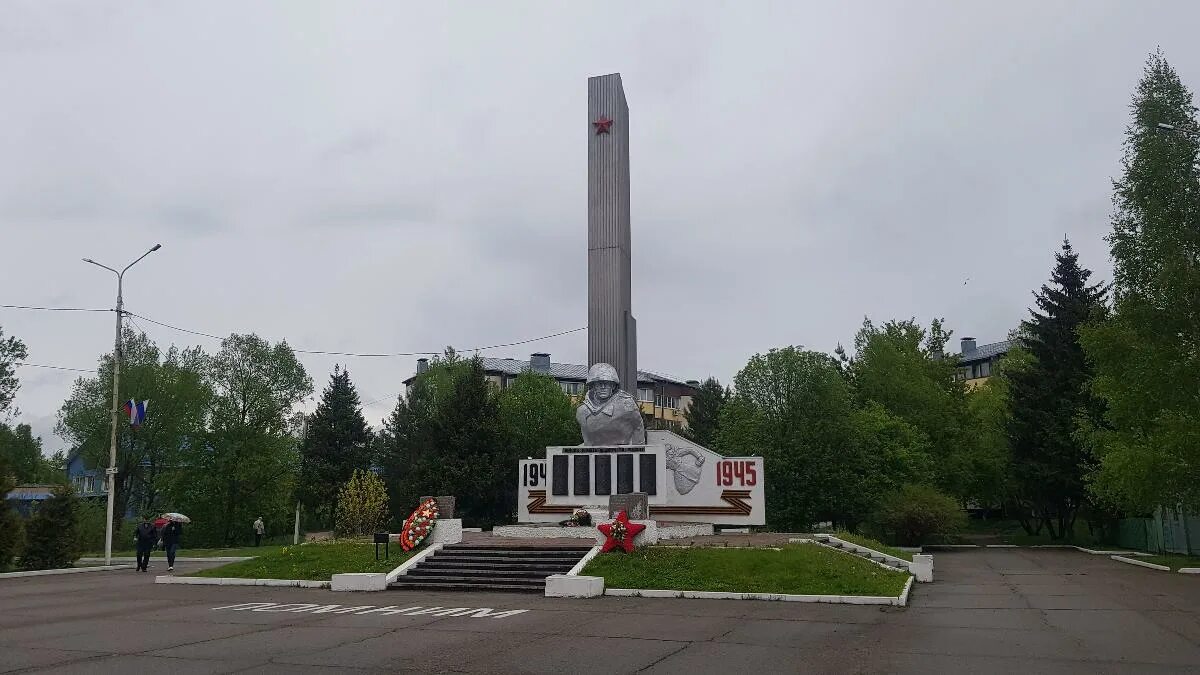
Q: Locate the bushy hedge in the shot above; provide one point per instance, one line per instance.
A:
(52, 535)
(918, 514)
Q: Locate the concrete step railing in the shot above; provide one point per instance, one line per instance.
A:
(921, 566)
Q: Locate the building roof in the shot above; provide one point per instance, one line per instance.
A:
(985, 352)
(31, 492)
(559, 371)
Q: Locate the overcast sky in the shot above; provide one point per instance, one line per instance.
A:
(399, 177)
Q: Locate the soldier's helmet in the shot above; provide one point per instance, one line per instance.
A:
(602, 372)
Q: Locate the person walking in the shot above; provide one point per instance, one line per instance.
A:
(145, 535)
(259, 530)
(170, 537)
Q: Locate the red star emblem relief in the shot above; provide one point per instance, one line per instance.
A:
(620, 532)
(602, 125)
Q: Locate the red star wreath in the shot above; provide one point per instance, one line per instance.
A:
(620, 532)
(419, 525)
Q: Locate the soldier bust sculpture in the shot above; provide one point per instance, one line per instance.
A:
(609, 416)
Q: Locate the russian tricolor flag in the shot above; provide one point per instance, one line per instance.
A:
(136, 411)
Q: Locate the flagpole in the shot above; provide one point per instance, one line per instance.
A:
(111, 472)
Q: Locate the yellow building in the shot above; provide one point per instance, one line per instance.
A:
(664, 400)
(976, 362)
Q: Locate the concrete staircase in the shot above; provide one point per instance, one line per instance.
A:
(862, 553)
(515, 568)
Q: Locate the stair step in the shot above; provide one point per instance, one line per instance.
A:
(421, 571)
(458, 586)
(503, 553)
(515, 547)
(496, 567)
(497, 579)
(505, 560)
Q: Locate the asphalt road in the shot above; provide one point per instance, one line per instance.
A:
(995, 610)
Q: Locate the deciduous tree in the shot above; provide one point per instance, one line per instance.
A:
(1147, 355)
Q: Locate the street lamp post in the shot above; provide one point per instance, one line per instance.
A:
(111, 472)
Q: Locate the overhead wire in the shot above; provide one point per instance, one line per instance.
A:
(60, 309)
(367, 355)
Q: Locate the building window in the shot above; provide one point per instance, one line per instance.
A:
(572, 388)
(645, 394)
(664, 401)
(985, 369)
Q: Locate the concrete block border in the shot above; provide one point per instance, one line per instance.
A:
(587, 558)
(358, 581)
(232, 581)
(412, 562)
(1140, 563)
(921, 566)
(1189, 570)
(65, 570)
(570, 586)
(898, 601)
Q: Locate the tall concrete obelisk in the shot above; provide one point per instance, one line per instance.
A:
(612, 331)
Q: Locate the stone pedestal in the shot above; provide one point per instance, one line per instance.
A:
(922, 568)
(636, 505)
(446, 531)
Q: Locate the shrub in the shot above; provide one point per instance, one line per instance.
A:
(91, 514)
(918, 514)
(362, 506)
(12, 534)
(52, 535)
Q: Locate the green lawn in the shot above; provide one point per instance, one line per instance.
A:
(239, 552)
(874, 545)
(317, 561)
(801, 569)
(1172, 561)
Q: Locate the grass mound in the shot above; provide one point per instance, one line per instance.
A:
(314, 561)
(873, 545)
(1172, 561)
(798, 569)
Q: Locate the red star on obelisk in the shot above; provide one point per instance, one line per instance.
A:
(602, 125)
(626, 541)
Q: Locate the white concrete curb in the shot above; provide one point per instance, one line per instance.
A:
(231, 581)
(1189, 570)
(65, 570)
(1140, 563)
(124, 559)
(904, 594)
(1100, 552)
(1001, 546)
(412, 562)
(587, 558)
(784, 597)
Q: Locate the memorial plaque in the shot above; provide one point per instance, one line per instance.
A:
(445, 504)
(583, 475)
(636, 505)
(624, 474)
(559, 475)
(647, 475)
(603, 475)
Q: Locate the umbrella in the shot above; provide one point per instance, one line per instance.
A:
(177, 517)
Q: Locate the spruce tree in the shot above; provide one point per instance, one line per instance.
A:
(337, 442)
(52, 535)
(704, 412)
(1048, 397)
(1147, 356)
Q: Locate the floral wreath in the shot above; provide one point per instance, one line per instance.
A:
(419, 525)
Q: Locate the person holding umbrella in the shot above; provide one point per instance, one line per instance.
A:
(171, 534)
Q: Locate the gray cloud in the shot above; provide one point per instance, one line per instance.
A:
(399, 178)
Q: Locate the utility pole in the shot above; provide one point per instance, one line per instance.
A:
(111, 471)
